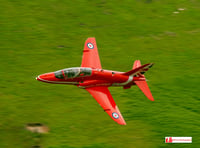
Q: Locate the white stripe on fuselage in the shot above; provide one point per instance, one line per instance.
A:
(58, 82)
(130, 78)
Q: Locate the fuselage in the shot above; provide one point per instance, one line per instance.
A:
(85, 77)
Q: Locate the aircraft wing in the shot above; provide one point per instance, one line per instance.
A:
(90, 54)
(104, 98)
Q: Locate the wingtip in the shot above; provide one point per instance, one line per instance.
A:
(90, 38)
(121, 121)
(151, 99)
(124, 123)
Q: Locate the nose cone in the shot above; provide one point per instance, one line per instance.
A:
(47, 77)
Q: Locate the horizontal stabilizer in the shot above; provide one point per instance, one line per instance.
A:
(139, 70)
(145, 89)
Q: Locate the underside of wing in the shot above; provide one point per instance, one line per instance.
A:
(104, 98)
(90, 54)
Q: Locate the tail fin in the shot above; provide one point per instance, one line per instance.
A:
(138, 71)
(136, 64)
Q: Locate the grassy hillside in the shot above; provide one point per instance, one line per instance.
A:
(43, 36)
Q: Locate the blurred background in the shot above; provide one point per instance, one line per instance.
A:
(43, 36)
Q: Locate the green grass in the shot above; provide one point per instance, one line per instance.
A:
(31, 33)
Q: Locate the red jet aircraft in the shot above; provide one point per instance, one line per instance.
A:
(96, 80)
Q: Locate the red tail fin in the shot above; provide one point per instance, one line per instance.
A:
(136, 64)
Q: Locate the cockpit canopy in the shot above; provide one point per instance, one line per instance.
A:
(69, 73)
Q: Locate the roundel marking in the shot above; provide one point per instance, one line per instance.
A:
(90, 45)
(115, 115)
